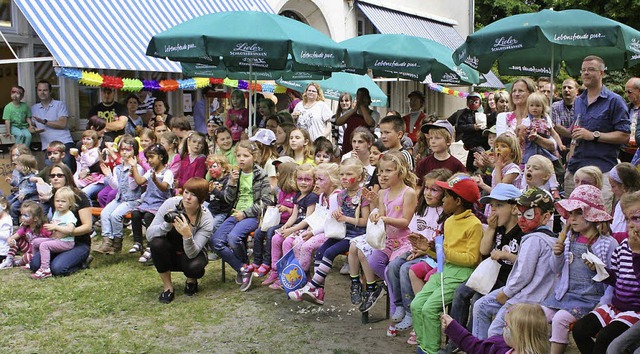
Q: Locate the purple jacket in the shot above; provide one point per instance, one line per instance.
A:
(470, 344)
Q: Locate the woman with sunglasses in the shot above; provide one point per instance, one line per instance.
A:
(68, 262)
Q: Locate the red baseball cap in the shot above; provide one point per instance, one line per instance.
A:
(463, 186)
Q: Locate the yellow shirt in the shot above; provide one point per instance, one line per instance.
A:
(462, 235)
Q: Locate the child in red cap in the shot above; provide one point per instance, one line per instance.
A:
(462, 235)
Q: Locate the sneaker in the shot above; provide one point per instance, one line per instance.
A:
(190, 288)
(413, 339)
(26, 267)
(41, 273)
(137, 248)
(146, 256)
(398, 314)
(276, 285)
(345, 268)
(262, 271)
(392, 331)
(406, 323)
(273, 276)
(87, 262)
(371, 297)
(246, 279)
(239, 278)
(314, 295)
(356, 293)
(7, 263)
(166, 296)
(296, 295)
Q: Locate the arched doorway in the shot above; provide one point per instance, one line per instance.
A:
(308, 12)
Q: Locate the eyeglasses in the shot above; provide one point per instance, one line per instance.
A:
(56, 175)
(303, 179)
(124, 148)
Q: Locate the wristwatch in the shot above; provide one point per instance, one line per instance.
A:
(596, 136)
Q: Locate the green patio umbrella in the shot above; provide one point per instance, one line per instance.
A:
(246, 40)
(535, 44)
(341, 82)
(407, 57)
(205, 70)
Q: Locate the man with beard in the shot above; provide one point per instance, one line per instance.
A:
(113, 113)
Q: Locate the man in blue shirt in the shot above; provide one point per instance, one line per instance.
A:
(604, 125)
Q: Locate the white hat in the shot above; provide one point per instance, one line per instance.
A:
(265, 136)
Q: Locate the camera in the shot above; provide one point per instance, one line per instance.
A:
(172, 215)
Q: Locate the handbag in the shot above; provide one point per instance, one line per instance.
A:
(376, 234)
(484, 276)
(290, 273)
(271, 218)
(320, 214)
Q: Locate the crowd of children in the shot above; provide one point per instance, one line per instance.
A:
(553, 276)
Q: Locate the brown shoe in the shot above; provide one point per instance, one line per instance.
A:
(117, 244)
(106, 247)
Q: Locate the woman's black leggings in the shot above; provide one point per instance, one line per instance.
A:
(588, 327)
(168, 255)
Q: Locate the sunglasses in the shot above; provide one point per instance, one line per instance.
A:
(56, 175)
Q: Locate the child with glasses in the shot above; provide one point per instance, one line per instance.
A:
(127, 198)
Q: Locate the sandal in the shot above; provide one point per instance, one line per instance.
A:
(136, 248)
(146, 256)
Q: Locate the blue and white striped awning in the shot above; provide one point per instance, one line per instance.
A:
(113, 34)
(396, 22)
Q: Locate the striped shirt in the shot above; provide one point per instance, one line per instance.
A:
(626, 281)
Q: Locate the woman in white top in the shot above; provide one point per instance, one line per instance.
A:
(313, 114)
(520, 91)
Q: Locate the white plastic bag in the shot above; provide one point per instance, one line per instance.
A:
(270, 218)
(376, 234)
(484, 277)
(334, 228)
(317, 219)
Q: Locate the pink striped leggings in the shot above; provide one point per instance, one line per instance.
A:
(280, 246)
(304, 252)
(23, 245)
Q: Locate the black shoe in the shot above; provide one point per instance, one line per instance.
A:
(371, 297)
(87, 262)
(166, 296)
(190, 288)
(356, 293)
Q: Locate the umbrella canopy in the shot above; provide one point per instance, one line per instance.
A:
(528, 44)
(341, 82)
(205, 70)
(245, 40)
(408, 57)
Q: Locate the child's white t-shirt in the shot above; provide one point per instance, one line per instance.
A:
(6, 230)
(426, 225)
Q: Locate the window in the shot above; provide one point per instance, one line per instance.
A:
(5, 13)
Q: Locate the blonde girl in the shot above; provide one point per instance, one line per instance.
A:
(169, 141)
(127, 196)
(224, 144)
(327, 182)
(539, 137)
(425, 224)
(262, 240)
(591, 175)
(250, 193)
(397, 205)
(305, 203)
(576, 293)
(624, 178)
(23, 188)
(32, 219)
(237, 116)
(508, 157)
(193, 158)
(353, 210)
(90, 183)
(61, 226)
(300, 147)
(526, 332)
(146, 138)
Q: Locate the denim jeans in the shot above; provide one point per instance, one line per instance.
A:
(112, 217)
(483, 311)
(218, 219)
(92, 190)
(462, 299)
(64, 263)
(262, 245)
(22, 135)
(399, 282)
(228, 241)
(628, 342)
